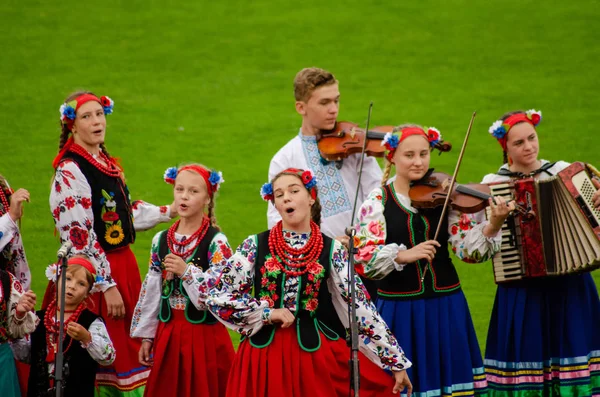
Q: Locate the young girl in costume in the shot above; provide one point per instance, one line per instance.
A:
(91, 207)
(86, 342)
(192, 351)
(420, 296)
(291, 342)
(544, 334)
(16, 321)
(12, 252)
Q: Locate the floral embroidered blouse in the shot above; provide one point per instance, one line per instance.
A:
(376, 259)
(233, 303)
(11, 245)
(195, 281)
(71, 206)
(100, 348)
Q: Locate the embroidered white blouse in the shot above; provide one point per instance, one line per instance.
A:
(231, 300)
(12, 245)
(376, 259)
(71, 206)
(195, 282)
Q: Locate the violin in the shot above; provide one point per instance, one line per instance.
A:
(348, 138)
(431, 192)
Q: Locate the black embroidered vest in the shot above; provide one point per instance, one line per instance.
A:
(307, 324)
(113, 216)
(6, 285)
(80, 380)
(200, 260)
(411, 229)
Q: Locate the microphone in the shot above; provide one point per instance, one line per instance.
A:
(64, 249)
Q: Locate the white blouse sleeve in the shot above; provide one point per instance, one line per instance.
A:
(467, 239)
(197, 282)
(145, 315)
(146, 215)
(231, 300)
(18, 327)
(375, 259)
(11, 241)
(377, 341)
(71, 206)
(100, 348)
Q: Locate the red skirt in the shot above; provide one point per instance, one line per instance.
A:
(126, 374)
(190, 359)
(284, 369)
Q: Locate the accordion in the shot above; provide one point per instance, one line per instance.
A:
(557, 233)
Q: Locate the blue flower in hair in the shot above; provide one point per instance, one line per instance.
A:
(216, 178)
(68, 112)
(266, 191)
(498, 130)
(312, 183)
(170, 175)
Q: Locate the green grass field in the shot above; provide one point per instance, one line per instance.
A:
(212, 82)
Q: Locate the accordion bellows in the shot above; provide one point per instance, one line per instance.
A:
(560, 234)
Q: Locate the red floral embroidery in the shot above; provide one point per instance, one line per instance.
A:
(17, 285)
(312, 304)
(56, 213)
(454, 230)
(271, 265)
(314, 268)
(110, 216)
(464, 222)
(268, 299)
(57, 187)
(70, 202)
(86, 202)
(78, 237)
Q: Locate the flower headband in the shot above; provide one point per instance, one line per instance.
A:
(53, 270)
(308, 179)
(391, 140)
(500, 128)
(68, 110)
(212, 178)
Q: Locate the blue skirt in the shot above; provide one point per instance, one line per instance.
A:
(544, 338)
(9, 382)
(437, 335)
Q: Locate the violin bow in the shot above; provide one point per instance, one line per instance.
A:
(453, 180)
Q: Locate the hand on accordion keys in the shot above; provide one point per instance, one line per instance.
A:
(596, 196)
(500, 210)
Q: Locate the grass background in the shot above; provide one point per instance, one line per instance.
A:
(212, 82)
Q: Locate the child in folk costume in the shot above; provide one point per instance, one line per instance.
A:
(91, 207)
(86, 342)
(192, 350)
(12, 252)
(544, 333)
(420, 295)
(291, 342)
(16, 320)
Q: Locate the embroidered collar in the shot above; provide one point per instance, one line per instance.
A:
(504, 171)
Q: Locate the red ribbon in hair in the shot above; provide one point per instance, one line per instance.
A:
(77, 260)
(511, 121)
(204, 173)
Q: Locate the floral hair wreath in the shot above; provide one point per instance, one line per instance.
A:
(500, 128)
(308, 179)
(215, 178)
(391, 140)
(68, 110)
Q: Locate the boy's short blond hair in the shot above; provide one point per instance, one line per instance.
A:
(308, 80)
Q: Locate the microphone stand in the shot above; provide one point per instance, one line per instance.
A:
(353, 322)
(59, 370)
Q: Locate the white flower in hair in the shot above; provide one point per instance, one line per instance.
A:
(52, 272)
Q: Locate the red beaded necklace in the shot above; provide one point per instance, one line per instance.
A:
(198, 235)
(52, 329)
(4, 200)
(295, 258)
(109, 169)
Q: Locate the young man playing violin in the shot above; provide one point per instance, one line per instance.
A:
(317, 101)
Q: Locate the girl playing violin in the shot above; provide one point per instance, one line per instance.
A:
(419, 290)
(548, 325)
(292, 343)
